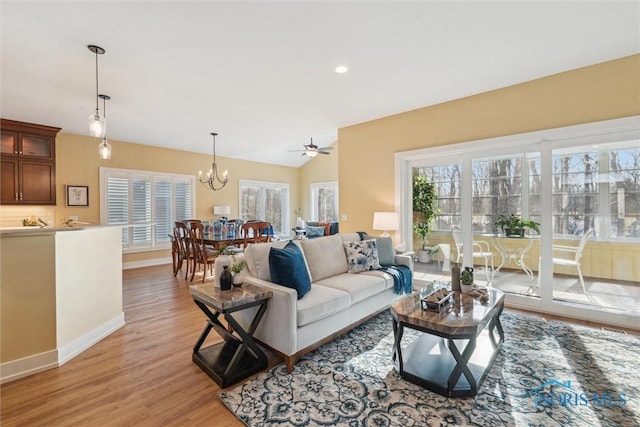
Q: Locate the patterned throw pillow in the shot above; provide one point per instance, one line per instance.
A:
(361, 256)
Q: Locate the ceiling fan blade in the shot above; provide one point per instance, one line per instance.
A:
(326, 148)
(323, 152)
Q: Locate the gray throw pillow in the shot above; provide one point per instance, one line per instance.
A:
(385, 251)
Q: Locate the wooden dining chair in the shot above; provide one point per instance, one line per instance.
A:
(203, 254)
(185, 248)
(176, 259)
(256, 232)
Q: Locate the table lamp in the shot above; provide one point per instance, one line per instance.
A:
(385, 221)
(222, 212)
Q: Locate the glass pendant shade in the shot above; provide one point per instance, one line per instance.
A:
(105, 149)
(97, 124)
(97, 121)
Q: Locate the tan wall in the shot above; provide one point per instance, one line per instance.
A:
(604, 91)
(322, 168)
(28, 310)
(77, 163)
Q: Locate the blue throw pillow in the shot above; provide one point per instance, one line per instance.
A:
(314, 231)
(288, 269)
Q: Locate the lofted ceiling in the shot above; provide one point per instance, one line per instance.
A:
(261, 74)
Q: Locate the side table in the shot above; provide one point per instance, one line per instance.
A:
(237, 356)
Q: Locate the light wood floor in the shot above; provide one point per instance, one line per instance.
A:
(141, 375)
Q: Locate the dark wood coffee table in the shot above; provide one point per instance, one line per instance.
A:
(458, 347)
(238, 355)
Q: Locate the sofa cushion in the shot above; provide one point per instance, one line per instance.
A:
(359, 286)
(321, 302)
(325, 256)
(388, 279)
(257, 257)
(350, 237)
(287, 268)
(361, 256)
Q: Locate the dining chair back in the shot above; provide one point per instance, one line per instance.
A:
(256, 232)
(203, 254)
(185, 250)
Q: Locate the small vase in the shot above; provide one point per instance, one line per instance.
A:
(455, 276)
(237, 279)
(226, 279)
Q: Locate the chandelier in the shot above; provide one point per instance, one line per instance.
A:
(213, 181)
(97, 122)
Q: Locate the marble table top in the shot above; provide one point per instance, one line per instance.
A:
(213, 296)
(465, 315)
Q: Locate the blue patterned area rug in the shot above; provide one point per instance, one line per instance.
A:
(548, 373)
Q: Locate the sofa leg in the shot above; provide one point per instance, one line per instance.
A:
(289, 361)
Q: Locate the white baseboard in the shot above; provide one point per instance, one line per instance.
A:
(146, 263)
(30, 365)
(16, 369)
(82, 343)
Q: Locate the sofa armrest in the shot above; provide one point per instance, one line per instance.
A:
(278, 328)
(405, 260)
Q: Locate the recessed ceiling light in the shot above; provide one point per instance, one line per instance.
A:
(341, 69)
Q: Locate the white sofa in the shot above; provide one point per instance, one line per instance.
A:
(337, 301)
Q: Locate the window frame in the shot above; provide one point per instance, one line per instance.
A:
(314, 188)
(263, 186)
(539, 143)
(155, 243)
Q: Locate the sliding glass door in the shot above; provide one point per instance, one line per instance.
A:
(580, 184)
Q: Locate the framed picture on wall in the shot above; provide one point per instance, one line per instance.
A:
(77, 195)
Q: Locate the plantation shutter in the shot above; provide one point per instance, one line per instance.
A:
(162, 213)
(118, 203)
(141, 212)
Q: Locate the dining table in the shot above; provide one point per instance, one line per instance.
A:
(218, 241)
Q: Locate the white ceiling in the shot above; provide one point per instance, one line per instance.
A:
(261, 74)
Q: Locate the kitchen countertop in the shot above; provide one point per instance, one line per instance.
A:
(29, 231)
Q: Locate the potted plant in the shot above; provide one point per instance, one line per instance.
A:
(514, 226)
(236, 269)
(466, 280)
(425, 209)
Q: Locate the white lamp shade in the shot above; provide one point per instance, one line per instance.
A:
(385, 221)
(221, 210)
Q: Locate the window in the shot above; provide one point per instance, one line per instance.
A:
(593, 180)
(446, 179)
(324, 201)
(146, 204)
(597, 187)
(268, 201)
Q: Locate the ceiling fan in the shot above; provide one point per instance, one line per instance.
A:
(312, 150)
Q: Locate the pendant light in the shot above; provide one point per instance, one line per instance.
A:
(104, 148)
(97, 122)
(213, 181)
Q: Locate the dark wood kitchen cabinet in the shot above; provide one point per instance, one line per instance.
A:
(28, 169)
